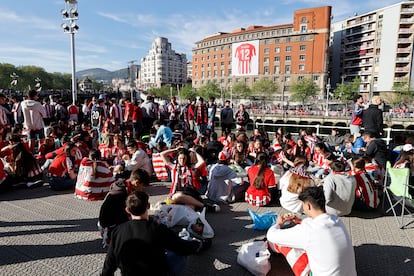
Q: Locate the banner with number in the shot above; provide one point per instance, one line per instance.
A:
(245, 58)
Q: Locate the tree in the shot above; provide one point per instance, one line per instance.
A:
(345, 92)
(208, 90)
(402, 94)
(241, 90)
(187, 92)
(265, 88)
(303, 90)
(164, 92)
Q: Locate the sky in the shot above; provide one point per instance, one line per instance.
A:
(113, 33)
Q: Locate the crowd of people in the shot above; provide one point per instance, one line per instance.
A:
(108, 149)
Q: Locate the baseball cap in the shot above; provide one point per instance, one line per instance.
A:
(407, 147)
(223, 156)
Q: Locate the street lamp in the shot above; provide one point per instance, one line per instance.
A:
(70, 15)
(283, 96)
(328, 88)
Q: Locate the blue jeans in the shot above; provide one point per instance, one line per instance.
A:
(61, 183)
(175, 263)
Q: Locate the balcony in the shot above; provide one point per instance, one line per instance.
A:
(407, 10)
(401, 79)
(402, 69)
(403, 59)
(404, 50)
(406, 20)
(405, 40)
(406, 30)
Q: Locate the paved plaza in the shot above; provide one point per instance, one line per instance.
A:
(43, 232)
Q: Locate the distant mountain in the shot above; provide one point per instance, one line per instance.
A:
(99, 74)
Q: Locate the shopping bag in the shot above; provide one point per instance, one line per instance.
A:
(254, 256)
(263, 221)
(199, 228)
(174, 214)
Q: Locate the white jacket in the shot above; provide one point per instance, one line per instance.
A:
(33, 113)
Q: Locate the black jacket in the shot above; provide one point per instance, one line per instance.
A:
(378, 150)
(112, 211)
(138, 248)
(372, 120)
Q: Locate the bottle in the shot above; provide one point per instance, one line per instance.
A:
(184, 234)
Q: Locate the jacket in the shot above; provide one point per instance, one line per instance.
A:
(372, 120)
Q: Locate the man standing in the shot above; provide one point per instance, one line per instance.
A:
(356, 121)
(321, 240)
(17, 110)
(149, 113)
(4, 112)
(226, 117)
(174, 111)
(372, 119)
(33, 114)
(201, 117)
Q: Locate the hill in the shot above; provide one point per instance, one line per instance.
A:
(99, 74)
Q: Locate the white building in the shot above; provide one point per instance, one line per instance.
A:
(162, 66)
(376, 46)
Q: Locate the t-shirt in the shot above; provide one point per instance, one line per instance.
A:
(96, 113)
(259, 197)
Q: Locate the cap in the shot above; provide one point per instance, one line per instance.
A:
(407, 147)
(223, 155)
(300, 171)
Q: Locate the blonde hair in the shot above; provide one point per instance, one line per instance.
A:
(376, 100)
(298, 183)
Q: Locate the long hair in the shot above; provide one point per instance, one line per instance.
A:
(297, 182)
(94, 156)
(261, 161)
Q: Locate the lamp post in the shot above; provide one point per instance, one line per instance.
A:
(70, 15)
(328, 88)
(283, 97)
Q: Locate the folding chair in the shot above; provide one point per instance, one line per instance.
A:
(397, 191)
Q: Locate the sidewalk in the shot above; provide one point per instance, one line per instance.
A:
(43, 232)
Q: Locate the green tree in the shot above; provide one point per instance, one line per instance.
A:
(345, 92)
(187, 92)
(208, 90)
(265, 88)
(241, 90)
(303, 90)
(164, 92)
(402, 94)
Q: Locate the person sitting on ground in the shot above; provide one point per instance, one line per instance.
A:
(366, 193)
(339, 189)
(94, 177)
(321, 240)
(292, 183)
(375, 148)
(319, 166)
(262, 181)
(164, 133)
(301, 149)
(334, 141)
(213, 149)
(143, 247)
(220, 186)
(112, 212)
(62, 169)
(136, 159)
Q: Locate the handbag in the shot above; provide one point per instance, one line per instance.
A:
(254, 256)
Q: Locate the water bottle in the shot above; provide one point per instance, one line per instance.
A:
(184, 234)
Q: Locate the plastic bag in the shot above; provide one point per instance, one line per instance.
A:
(254, 256)
(200, 228)
(263, 221)
(174, 214)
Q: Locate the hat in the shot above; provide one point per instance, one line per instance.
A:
(223, 155)
(407, 147)
(300, 171)
(156, 122)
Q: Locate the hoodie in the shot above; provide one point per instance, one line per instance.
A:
(33, 113)
(217, 189)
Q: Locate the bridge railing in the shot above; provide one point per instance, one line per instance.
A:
(389, 133)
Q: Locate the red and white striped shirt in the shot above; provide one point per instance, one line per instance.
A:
(115, 112)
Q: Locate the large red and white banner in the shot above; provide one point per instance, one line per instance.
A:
(245, 58)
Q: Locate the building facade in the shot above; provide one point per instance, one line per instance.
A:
(282, 53)
(162, 66)
(376, 47)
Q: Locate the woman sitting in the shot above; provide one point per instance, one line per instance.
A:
(62, 170)
(262, 181)
(94, 177)
(292, 184)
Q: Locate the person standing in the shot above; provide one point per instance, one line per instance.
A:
(174, 111)
(242, 118)
(321, 240)
(211, 111)
(4, 120)
(33, 114)
(226, 117)
(17, 110)
(356, 121)
(372, 117)
(201, 117)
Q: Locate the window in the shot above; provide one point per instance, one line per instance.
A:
(195, 59)
(287, 78)
(276, 79)
(266, 50)
(302, 47)
(256, 79)
(315, 78)
(208, 57)
(277, 50)
(266, 59)
(266, 70)
(277, 59)
(288, 58)
(277, 40)
(301, 67)
(222, 55)
(288, 48)
(222, 73)
(303, 28)
(301, 77)
(276, 69)
(222, 63)
(287, 69)
(302, 38)
(301, 57)
(288, 39)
